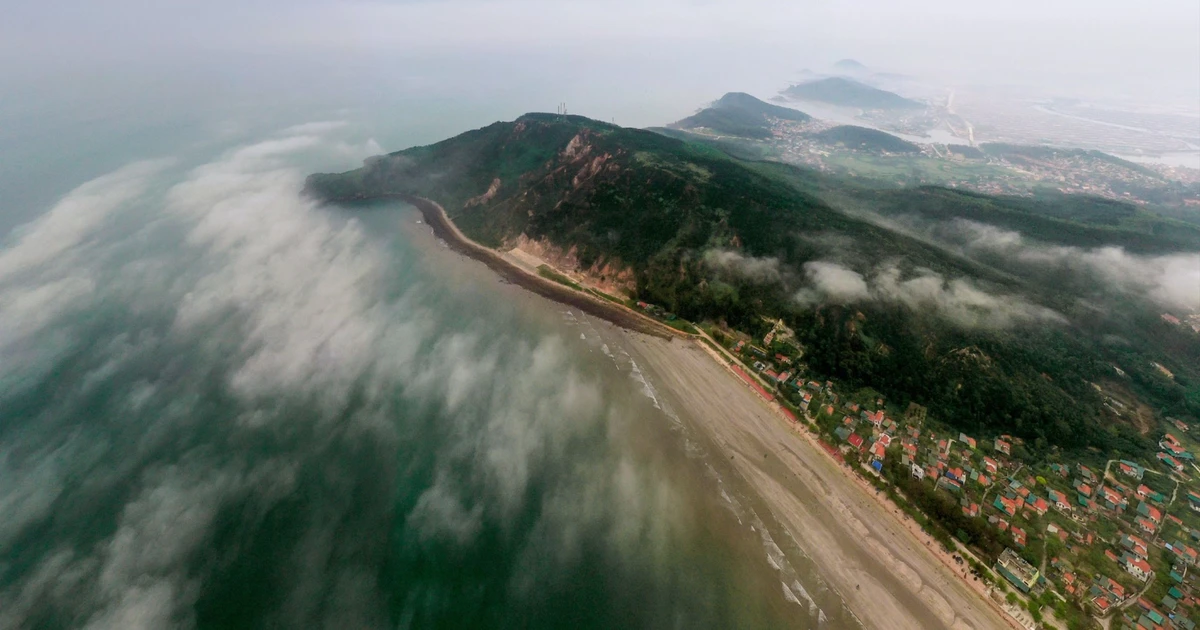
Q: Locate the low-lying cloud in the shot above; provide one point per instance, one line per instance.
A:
(241, 335)
(923, 290)
(759, 270)
(1171, 280)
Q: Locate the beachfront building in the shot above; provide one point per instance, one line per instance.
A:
(1016, 570)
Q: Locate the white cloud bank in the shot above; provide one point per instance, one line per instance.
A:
(1172, 281)
(958, 300)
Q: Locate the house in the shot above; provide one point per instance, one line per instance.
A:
(1040, 506)
(856, 441)
(1136, 546)
(1171, 462)
(1003, 447)
(1137, 567)
(965, 439)
(877, 450)
(1016, 570)
(843, 433)
(950, 484)
(1146, 525)
(1113, 499)
(1006, 505)
(874, 417)
(1084, 489)
(918, 472)
(1058, 500)
(990, 464)
(1130, 469)
(1018, 535)
(885, 440)
(1086, 472)
(1113, 587)
(1150, 512)
(970, 509)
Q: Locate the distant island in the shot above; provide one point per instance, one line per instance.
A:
(849, 65)
(845, 92)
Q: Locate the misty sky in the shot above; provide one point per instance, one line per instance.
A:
(668, 51)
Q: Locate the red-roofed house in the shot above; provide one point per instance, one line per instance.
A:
(1146, 525)
(855, 440)
(1003, 447)
(1018, 535)
(1138, 568)
(1040, 506)
(874, 417)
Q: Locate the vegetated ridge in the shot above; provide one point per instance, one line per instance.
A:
(670, 212)
(739, 114)
(866, 139)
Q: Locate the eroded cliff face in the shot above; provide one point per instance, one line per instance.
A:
(607, 275)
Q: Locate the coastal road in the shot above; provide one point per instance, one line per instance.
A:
(880, 569)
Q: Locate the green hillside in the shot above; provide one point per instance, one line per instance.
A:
(739, 114)
(659, 206)
(864, 139)
(849, 93)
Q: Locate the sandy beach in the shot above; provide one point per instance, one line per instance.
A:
(881, 569)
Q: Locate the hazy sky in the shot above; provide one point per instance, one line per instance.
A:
(683, 47)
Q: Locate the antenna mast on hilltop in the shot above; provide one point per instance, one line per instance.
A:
(562, 108)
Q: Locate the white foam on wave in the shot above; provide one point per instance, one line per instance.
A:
(635, 373)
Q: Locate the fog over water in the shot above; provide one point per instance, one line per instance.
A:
(223, 405)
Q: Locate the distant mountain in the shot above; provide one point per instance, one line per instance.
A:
(850, 65)
(739, 114)
(849, 93)
(862, 138)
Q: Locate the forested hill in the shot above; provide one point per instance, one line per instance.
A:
(739, 114)
(713, 238)
(865, 139)
(849, 93)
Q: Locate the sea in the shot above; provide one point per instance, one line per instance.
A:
(224, 405)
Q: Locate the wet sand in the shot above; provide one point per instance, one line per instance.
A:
(884, 573)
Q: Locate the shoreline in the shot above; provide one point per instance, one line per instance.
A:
(444, 228)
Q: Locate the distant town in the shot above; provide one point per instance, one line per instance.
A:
(1013, 172)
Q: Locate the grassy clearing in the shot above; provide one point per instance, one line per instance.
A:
(546, 272)
(610, 298)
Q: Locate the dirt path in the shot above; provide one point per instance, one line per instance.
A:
(883, 571)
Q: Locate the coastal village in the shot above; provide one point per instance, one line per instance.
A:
(1061, 544)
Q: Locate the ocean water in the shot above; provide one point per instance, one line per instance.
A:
(223, 405)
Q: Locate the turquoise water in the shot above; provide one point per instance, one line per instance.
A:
(224, 406)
